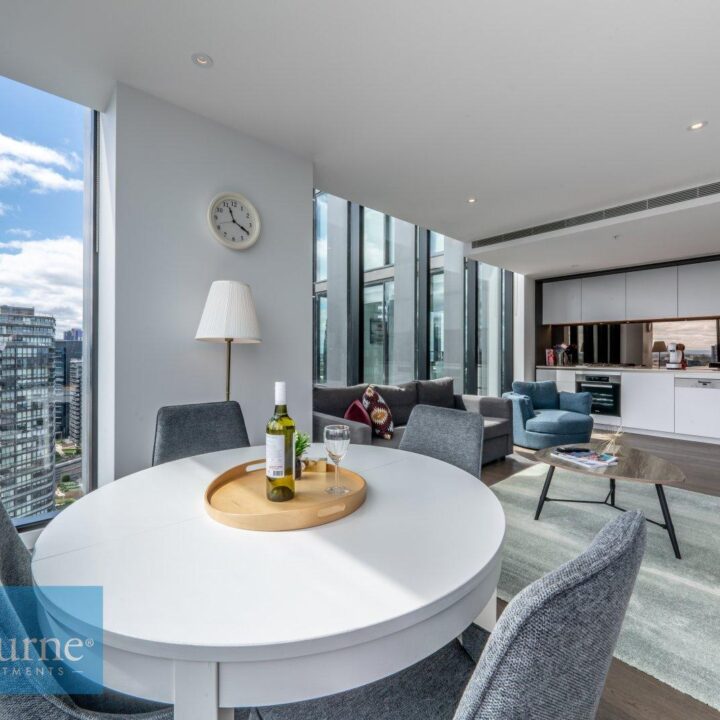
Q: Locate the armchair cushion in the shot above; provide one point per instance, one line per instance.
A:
(544, 394)
(576, 402)
(523, 407)
(559, 422)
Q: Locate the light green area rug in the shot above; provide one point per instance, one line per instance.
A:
(672, 626)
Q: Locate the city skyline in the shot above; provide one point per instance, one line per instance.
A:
(41, 203)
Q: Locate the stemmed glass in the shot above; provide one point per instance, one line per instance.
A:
(337, 440)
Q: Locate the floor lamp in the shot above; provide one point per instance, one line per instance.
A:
(229, 316)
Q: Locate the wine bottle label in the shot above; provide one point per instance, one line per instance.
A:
(275, 456)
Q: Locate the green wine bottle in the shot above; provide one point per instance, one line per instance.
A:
(280, 451)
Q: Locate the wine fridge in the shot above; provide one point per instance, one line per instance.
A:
(605, 391)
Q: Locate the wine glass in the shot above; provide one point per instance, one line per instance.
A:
(337, 440)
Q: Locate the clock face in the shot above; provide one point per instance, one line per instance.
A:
(234, 221)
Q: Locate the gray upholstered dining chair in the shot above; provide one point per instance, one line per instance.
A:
(185, 430)
(547, 658)
(15, 572)
(454, 436)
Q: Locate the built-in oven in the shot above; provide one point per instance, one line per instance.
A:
(604, 389)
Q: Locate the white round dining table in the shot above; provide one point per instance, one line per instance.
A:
(210, 617)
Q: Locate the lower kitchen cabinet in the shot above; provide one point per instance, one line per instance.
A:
(647, 401)
(697, 407)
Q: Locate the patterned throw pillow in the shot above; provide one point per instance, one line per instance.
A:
(379, 412)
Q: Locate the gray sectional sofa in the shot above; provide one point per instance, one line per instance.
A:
(330, 404)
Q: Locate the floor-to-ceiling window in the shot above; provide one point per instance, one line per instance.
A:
(489, 331)
(376, 322)
(46, 373)
(437, 324)
(378, 339)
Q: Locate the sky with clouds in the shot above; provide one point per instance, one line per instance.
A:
(41, 202)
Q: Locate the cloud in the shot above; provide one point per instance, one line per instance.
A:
(25, 150)
(45, 274)
(20, 232)
(5, 208)
(22, 161)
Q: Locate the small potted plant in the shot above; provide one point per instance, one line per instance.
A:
(302, 443)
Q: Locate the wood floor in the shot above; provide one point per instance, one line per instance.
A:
(631, 694)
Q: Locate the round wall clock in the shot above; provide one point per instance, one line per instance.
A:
(234, 221)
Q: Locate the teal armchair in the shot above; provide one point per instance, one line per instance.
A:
(544, 417)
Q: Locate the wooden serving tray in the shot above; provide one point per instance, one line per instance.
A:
(237, 498)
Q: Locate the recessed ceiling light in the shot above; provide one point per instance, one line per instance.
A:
(699, 125)
(471, 200)
(202, 60)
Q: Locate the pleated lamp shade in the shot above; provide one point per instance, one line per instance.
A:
(229, 314)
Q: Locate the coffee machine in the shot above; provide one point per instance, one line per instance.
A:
(676, 359)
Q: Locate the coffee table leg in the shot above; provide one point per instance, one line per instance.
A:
(546, 487)
(668, 520)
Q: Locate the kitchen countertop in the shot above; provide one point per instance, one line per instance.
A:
(616, 369)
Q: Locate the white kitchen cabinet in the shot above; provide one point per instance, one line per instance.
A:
(603, 298)
(697, 407)
(543, 374)
(698, 294)
(647, 401)
(561, 302)
(651, 294)
(565, 380)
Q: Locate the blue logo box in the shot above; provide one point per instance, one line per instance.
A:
(51, 640)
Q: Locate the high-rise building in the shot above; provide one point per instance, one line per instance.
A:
(74, 334)
(27, 413)
(65, 351)
(76, 370)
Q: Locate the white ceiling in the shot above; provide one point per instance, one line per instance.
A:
(690, 229)
(542, 110)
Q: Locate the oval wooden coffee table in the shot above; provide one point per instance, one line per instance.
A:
(633, 465)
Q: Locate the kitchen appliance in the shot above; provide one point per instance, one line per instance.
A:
(676, 360)
(605, 392)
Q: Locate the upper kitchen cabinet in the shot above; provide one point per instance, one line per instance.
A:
(652, 294)
(698, 294)
(561, 302)
(603, 298)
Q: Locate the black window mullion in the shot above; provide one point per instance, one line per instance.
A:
(471, 315)
(423, 304)
(506, 316)
(355, 289)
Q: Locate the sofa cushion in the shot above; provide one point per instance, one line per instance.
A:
(440, 392)
(543, 395)
(357, 413)
(401, 399)
(495, 427)
(335, 400)
(393, 442)
(379, 412)
(559, 422)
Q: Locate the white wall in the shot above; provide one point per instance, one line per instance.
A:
(157, 266)
(524, 328)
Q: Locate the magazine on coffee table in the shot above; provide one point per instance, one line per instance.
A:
(585, 457)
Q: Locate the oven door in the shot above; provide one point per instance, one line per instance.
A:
(605, 396)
